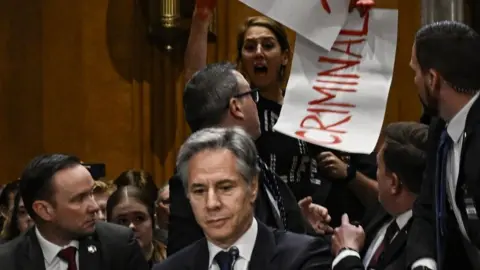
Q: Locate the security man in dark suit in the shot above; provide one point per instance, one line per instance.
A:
(401, 162)
(57, 193)
(219, 169)
(445, 233)
(219, 95)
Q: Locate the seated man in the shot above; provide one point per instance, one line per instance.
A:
(401, 162)
(57, 193)
(219, 96)
(219, 170)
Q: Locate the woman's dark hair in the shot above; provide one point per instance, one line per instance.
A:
(10, 229)
(131, 192)
(140, 179)
(277, 29)
(9, 188)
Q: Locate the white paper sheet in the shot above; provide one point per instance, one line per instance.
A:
(319, 21)
(342, 105)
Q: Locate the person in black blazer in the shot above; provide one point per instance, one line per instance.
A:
(273, 250)
(110, 247)
(446, 61)
(219, 169)
(57, 194)
(401, 162)
(219, 95)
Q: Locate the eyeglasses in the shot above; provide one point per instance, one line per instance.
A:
(254, 93)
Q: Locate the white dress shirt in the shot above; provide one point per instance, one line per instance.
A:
(244, 244)
(51, 250)
(401, 220)
(455, 130)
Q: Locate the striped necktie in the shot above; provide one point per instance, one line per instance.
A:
(270, 180)
(441, 193)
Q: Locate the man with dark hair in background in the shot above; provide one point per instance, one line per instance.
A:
(219, 96)
(446, 61)
(401, 162)
(58, 194)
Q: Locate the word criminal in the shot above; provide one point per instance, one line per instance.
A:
(337, 75)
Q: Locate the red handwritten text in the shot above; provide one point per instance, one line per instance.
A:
(338, 76)
(326, 6)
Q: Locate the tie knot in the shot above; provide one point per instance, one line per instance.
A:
(225, 259)
(68, 254)
(392, 229)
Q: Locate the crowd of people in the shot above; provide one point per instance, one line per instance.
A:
(246, 197)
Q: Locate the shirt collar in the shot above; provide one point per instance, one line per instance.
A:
(456, 126)
(403, 219)
(244, 244)
(51, 250)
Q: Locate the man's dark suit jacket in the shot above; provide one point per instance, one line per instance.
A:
(421, 242)
(116, 249)
(394, 254)
(273, 249)
(183, 229)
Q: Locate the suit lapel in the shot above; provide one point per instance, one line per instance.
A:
(371, 229)
(89, 254)
(396, 245)
(263, 250)
(201, 256)
(30, 254)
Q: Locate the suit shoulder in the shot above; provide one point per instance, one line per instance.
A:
(303, 251)
(8, 249)
(112, 233)
(181, 258)
(299, 242)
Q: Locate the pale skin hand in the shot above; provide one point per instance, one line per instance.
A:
(347, 236)
(316, 215)
(363, 6)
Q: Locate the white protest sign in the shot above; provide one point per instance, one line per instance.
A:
(337, 99)
(319, 21)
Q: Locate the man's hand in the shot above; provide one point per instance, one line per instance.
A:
(332, 165)
(347, 236)
(316, 215)
(363, 6)
(204, 8)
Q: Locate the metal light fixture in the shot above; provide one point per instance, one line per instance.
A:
(169, 23)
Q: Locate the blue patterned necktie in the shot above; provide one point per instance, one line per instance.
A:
(441, 193)
(224, 260)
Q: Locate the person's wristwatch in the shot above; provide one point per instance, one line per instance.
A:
(347, 248)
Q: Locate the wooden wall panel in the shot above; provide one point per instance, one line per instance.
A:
(64, 85)
(79, 76)
(21, 81)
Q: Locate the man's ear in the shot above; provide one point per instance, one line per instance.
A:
(254, 189)
(396, 186)
(433, 80)
(235, 108)
(44, 210)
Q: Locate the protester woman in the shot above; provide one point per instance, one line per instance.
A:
(263, 54)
